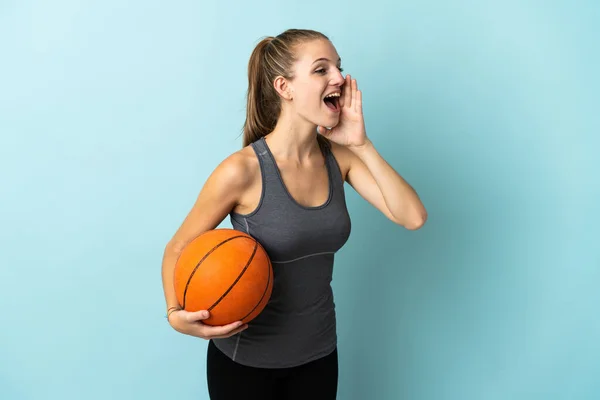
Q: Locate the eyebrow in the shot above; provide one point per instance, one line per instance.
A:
(325, 59)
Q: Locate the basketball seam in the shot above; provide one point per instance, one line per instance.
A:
(237, 279)
(202, 260)
(264, 293)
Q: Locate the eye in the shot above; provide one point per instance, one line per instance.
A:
(323, 71)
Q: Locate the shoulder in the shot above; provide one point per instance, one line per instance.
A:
(238, 170)
(234, 175)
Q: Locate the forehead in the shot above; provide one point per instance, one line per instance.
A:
(308, 52)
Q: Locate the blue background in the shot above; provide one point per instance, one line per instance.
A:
(113, 114)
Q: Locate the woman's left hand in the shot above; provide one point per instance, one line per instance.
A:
(350, 130)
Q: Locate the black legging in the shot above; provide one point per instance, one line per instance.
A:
(229, 380)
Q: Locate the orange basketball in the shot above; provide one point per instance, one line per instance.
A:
(226, 272)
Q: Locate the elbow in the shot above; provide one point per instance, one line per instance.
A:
(417, 221)
(174, 247)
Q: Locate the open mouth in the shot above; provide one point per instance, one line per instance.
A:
(332, 102)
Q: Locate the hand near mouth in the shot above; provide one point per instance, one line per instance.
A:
(350, 130)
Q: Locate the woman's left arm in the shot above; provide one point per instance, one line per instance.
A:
(378, 183)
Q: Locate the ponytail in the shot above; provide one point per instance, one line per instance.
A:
(261, 111)
(272, 57)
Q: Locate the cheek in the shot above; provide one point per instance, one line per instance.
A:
(308, 101)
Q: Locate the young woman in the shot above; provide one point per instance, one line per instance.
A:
(285, 187)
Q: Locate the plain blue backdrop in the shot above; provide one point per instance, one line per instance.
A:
(113, 114)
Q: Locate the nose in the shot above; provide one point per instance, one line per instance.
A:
(338, 79)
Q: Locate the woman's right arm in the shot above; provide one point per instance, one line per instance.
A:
(219, 195)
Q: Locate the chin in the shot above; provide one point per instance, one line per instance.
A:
(329, 122)
(326, 119)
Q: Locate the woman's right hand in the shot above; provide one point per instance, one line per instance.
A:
(190, 323)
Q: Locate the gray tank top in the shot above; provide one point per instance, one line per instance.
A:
(298, 324)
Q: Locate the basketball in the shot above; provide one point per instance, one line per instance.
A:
(226, 272)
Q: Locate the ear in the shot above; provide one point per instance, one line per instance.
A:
(283, 88)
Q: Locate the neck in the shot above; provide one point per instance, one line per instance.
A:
(293, 138)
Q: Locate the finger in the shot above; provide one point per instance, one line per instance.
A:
(221, 330)
(358, 103)
(354, 85)
(347, 91)
(323, 130)
(197, 315)
(233, 332)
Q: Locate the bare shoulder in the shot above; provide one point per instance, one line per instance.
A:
(239, 169)
(225, 189)
(240, 180)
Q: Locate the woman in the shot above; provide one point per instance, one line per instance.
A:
(285, 188)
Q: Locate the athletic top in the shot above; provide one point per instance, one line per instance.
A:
(298, 324)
